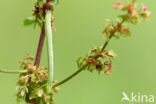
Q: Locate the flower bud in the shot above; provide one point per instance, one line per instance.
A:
(24, 79)
(118, 5)
(130, 9)
(107, 72)
(144, 8)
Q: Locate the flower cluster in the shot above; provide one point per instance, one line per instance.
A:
(32, 85)
(115, 29)
(101, 60)
(132, 13)
(40, 8)
(39, 12)
(97, 60)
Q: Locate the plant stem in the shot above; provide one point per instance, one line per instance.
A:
(14, 71)
(71, 76)
(80, 70)
(48, 31)
(106, 43)
(40, 46)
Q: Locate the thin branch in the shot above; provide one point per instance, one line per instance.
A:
(40, 46)
(80, 70)
(77, 72)
(13, 71)
(71, 76)
(106, 43)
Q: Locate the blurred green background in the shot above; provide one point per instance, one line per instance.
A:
(79, 27)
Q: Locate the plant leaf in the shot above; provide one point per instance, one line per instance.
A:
(29, 21)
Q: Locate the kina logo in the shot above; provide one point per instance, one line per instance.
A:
(137, 98)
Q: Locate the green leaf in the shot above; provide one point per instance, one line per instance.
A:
(29, 21)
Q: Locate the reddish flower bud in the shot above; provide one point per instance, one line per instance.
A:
(130, 9)
(93, 49)
(31, 67)
(135, 14)
(144, 7)
(127, 19)
(110, 66)
(28, 58)
(41, 68)
(118, 5)
(124, 30)
(46, 69)
(107, 72)
(24, 79)
(99, 47)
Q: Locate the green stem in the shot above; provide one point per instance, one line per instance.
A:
(80, 70)
(71, 76)
(14, 71)
(48, 31)
(106, 43)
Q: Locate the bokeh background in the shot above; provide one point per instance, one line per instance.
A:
(79, 27)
